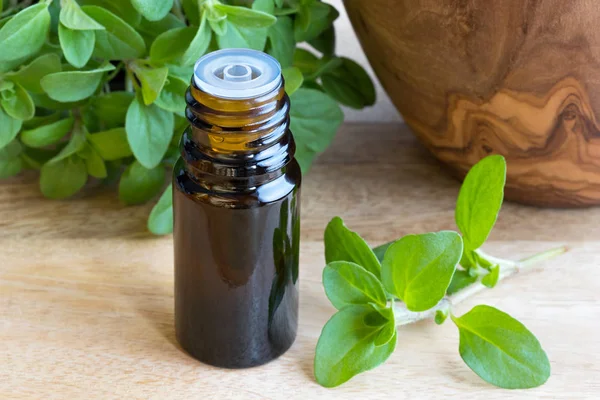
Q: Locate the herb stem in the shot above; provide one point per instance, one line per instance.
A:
(507, 269)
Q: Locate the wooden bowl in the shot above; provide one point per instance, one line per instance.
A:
(519, 78)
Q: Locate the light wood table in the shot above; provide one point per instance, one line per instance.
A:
(86, 295)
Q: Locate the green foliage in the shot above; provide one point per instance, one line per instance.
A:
(347, 283)
(77, 45)
(112, 144)
(25, 33)
(347, 345)
(501, 350)
(417, 269)
(9, 128)
(47, 135)
(10, 162)
(73, 17)
(315, 117)
(88, 86)
(417, 273)
(160, 221)
(153, 10)
(69, 86)
(293, 79)
(139, 184)
(63, 178)
(342, 244)
(480, 199)
(149, 131)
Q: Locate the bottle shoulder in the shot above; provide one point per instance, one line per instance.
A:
(235, 193)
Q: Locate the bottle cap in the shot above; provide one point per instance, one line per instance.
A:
(237, 73)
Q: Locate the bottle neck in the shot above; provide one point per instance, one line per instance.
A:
(246, 142)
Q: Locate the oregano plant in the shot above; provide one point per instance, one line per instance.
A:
(423, 276)
(94, 89)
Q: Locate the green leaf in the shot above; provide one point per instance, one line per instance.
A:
(77, 45)
(313, 67)
(350, 85)
(70, 86)
(325, 42)
(282, 42)
(480, 199)
(36, 158)
(501, 350)
(30, 76)
(10, 162)
(238, 37)
(170, 45)
(25, 33)
(266, 6)
(152, 79)
(418, 268)
(380, 250)
(246, 17)
(74, 146)
(151, 29)
(111, 144)
(6, 85)
(122, 9)
(440, 316)
(347, 283)
(17, 103)
(42, 100)
(40, 120)
(313, 21)
(347, 346)
(172, 97)
(217, 20)
(6, 66)
(491, 279)
(293, 79)
(160, 221)
(93, 162)
(192, 11)
(149, 131)
(73, 17)
(314, 120)
(198, 45)
(342, 244)
(182, 72)
(9, 128)
(119, 41)
(46, 135)
(153, 10)
(460, 280)
(64, 178)
(139, 184)
(111, 108)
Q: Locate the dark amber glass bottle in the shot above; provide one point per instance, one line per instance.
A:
(236, 205)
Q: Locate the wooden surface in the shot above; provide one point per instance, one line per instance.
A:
(86, 296)
(515, 77)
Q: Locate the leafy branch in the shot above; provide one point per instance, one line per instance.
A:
(124, 66)
(422, 277)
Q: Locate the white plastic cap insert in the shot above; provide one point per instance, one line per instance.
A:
(237, 73)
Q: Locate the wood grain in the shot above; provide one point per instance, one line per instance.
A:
(86, 297)
(516, 77)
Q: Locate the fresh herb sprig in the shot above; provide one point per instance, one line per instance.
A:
(95, 88)
(424, 276)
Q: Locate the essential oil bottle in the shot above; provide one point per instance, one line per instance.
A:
(236, 199)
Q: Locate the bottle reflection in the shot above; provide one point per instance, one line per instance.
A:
(283, 298)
